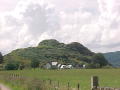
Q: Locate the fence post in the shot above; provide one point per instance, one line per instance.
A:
(58, 84)
(78, 86)
(50, 82)
(68, 86)
(94, 83)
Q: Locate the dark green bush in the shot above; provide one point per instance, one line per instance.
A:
(1, 58)
(12, 65)
(35, 63)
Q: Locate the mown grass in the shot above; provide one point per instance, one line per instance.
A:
(107, 77)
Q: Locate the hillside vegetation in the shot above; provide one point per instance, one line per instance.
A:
(52, 50)
(113, 58)
(1, 58)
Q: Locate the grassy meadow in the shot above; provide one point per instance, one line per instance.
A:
(107, 77)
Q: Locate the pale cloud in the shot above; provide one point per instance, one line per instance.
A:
(96, 30)
(109, 21)
(94, 23)
(26, 25)
(6, 5)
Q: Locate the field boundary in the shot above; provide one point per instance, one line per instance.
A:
(28, 83)
(95, 85)
(37, 84)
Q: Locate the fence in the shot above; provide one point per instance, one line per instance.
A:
(95, 85)
(35, 83)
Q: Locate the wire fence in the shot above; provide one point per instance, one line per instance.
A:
(35, 84)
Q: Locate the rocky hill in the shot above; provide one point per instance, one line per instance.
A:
(52, 50)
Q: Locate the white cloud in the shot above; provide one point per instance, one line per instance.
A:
(94, 23)
(26, 25)
(96, 30)
(6, 5)
(109, 21)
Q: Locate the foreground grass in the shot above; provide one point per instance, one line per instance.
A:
(9, 85)
(107, 77)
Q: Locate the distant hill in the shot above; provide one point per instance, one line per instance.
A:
(52, 50)
(113, 58)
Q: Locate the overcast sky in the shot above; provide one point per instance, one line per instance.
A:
(93, 23)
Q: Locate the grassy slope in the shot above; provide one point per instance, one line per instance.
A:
(108, 77)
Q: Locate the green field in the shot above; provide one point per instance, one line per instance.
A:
(107, 77)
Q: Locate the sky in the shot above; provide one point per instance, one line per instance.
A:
(93, 23)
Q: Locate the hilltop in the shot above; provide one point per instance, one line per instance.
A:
(52, 50)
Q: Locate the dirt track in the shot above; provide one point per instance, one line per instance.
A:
(3, 87)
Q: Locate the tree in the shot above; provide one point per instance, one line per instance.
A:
(1, 58)
(35, 63)
(12, 65)
(100, 59)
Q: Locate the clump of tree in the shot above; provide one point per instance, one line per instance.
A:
(99, 59)
(12, 65)
(1, 58)
(35, 63)
(1, 61)
(16, 65)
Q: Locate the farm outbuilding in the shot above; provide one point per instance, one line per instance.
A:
(51, 65)
(66, 67)
(56, 65)
(47, 66)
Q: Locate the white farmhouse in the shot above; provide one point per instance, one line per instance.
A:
(84, 66)
(56, 65)
(62, 66)
(59, 65)
(66, 67)
(69, 66)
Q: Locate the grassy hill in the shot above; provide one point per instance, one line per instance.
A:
(52, 50)
(113, 58)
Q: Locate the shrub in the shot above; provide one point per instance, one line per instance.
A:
(34, 63)
(11, 65)
(1, 58)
